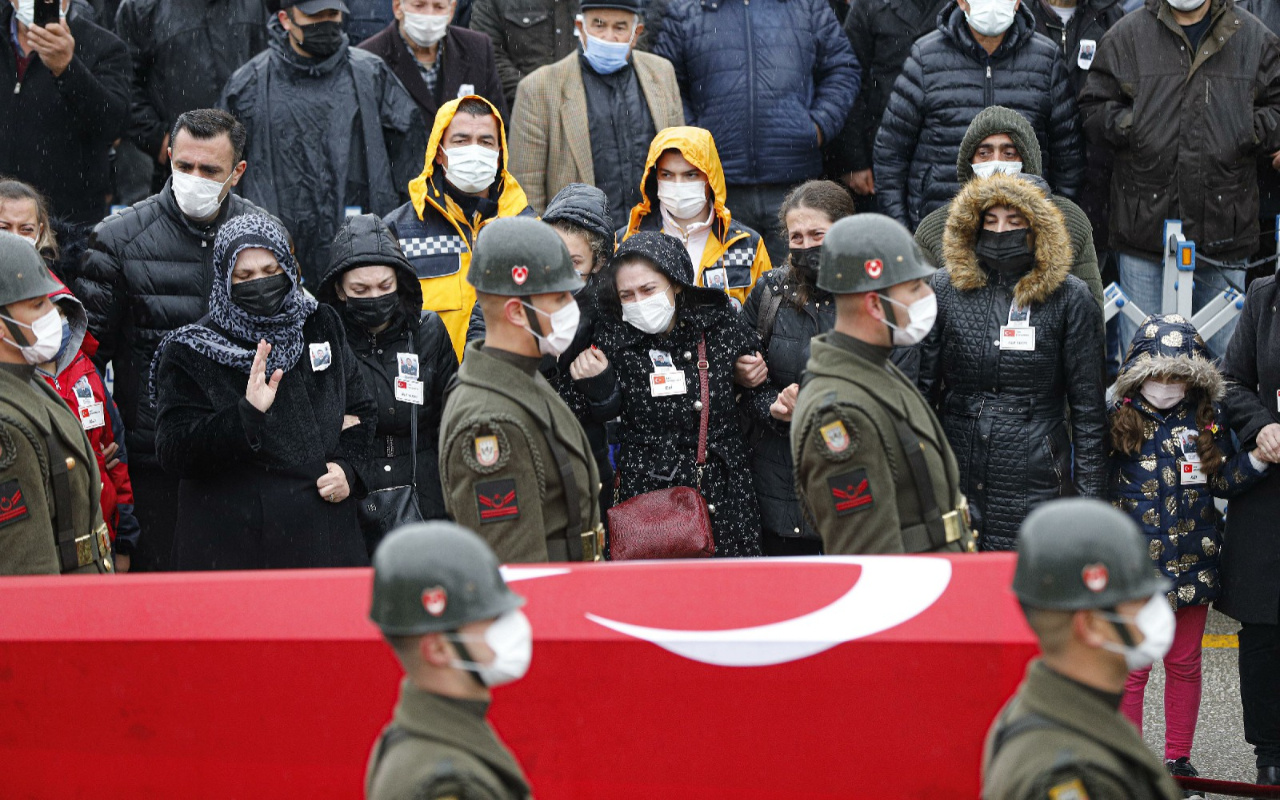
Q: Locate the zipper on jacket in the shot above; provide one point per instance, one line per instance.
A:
(988, 92)
(751, 87)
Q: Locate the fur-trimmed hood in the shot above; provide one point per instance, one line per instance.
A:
(1053, 253)
(1168, 346)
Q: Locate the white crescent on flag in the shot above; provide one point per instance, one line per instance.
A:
(890, 590)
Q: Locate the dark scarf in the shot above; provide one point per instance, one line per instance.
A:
(283, 331)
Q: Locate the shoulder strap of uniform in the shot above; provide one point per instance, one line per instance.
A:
(573, 511)
(390, 737)
(936, 530)
(1031, 721)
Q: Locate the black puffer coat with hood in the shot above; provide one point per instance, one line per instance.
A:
(1015, 418)
(658, 436)
(366, 241)
(947, 80)
(998, 119)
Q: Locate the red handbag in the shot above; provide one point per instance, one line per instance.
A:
(667, 523)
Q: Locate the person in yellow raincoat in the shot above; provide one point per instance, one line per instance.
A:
(683, 195)
(464, 186)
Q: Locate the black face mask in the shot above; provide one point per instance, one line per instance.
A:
(372, 312)
(804, 262)
(321, 39)
(1006, 252)
(262, 297)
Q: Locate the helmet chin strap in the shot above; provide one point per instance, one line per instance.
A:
(535, 328)
(890, 318)
(465, 654)
(16, 337)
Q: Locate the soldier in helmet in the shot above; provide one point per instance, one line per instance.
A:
(1099, 610)
(515, 464)
(50, 518)
(874, 472)
(458, 631)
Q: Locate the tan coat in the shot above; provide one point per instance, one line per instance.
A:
(550, 135)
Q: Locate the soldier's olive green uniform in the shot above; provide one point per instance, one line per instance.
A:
(50, 490)
(1065, 741)
(506, 442)
(438, 747)
(854, 419)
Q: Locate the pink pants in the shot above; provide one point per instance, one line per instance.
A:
(1181, 684)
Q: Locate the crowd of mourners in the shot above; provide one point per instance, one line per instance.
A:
(261, 215)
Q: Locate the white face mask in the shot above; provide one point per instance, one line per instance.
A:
(472, 167)
(683, 199)
(26, 12)
(48, 334)
(1156, 622)
(1164, 395)
(985, 169)
(564, 326)
(198, 198)
(425, 29)
(510, 637)
(1186, 5)
(921, 314)
(991, 17)
(651, 315)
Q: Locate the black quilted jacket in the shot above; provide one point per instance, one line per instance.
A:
(946, 81)
(1026, 426)
(148, 271)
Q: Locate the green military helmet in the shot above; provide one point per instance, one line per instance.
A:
(23, 274)
(869, 253)
(436, 576)
(521, 256)
(1082, 553)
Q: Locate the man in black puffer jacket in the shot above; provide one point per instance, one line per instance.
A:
(952, 74)
(148, 271)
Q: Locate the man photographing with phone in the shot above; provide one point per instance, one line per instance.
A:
(64, 98)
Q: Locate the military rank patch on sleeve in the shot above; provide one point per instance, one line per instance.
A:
(496, 501)
(851, 492)
(13, 505)
(1071, 790)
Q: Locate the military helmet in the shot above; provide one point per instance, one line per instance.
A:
(869, 253)
(520, 256)
(436, 576)
(1082, 553)
(23, 274)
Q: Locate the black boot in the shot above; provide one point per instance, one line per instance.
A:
(1268, 776)
(1181, 768)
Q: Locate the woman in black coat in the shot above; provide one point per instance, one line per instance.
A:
(264, 416)
(1250, 566)
(787, 309)
(375, 290)
(1013, 363)
(652, 319)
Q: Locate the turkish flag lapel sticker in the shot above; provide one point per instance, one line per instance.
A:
(13, 504)
(851, 492)
(496, 501)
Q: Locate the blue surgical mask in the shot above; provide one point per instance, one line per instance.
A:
(604, 57)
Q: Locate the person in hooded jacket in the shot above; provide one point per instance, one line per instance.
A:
(1001, 140)
(264, 415)
(1014, 362)
(1171, 454)
(331, 129)
(984, 53)
(683, 174)
(787, 309)
(74, 377)
(463, 187)
(377, 294)
(653, 317)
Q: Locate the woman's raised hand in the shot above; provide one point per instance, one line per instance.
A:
(260, 392)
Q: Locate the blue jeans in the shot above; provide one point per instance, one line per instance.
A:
(1143, 280)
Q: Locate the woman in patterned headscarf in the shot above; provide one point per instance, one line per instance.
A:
(264, 416)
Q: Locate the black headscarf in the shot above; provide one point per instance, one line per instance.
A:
(282, 330)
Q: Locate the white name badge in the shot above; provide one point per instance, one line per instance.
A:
(1191, 474)
(1014, 338)
(353, 211)
(92, 416)
(665, 384)
(466, 89)
(321, 357)
(409, 391)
